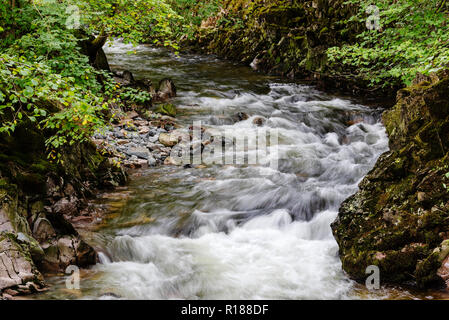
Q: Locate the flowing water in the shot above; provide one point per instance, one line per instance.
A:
(236, 231)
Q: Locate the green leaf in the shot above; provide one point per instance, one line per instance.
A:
(28, 92)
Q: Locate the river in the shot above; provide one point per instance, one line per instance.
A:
(236, 231)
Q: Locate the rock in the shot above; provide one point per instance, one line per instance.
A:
(140, 152)
(144, 130)
(166, 109)
(401, 208)
(255, 63)
(259, 121)
(145, 85)
(152, 161)
(10, 292)
(168, 140)
(128, 77)
(167, 90)
(131, 115)
(43, 230)
(65, 251)
(5, 224)
(120, 134)
(240, 116)
(123, 141)
(140, 123)
(66, 206)
(169, 161)
(16, 265)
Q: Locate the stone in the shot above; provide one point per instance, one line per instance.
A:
(167, 90)
(167, 109)
(65, 251)
(16, 266)
(43, 230)
(131, 115)
(152, 161)
(140, 152)
(240, 116)
(259, 121)
(66, 206)
(401, 207)
(144, 130)
(5, 224)
(169, 161)
(168, 140)
(123, 141)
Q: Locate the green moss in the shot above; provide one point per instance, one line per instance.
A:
(401, 213)
(167, 109)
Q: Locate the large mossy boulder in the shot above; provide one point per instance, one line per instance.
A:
(399, 220)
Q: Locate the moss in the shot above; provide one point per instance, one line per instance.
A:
(167, 109)
(426, 272)
(401, 212)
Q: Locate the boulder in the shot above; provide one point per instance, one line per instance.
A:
(65, 251)
(167, 90)
(168, 140)
(140, 152)
(16, 265)
(166, 109)
(398, 220)
(259, 121)
(240, 116)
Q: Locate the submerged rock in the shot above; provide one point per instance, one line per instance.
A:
(399, 220)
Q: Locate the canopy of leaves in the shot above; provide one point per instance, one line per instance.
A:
(413, 36)
(44, 77)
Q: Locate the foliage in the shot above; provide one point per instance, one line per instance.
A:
(135, 95)
(194, 13)
(47, 81)
(135, 21)
(413, 37)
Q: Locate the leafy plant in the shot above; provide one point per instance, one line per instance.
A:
(413, 36)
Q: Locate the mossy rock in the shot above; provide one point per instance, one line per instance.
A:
(166, 109)
(401, 212)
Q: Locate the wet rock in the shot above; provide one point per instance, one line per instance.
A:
(140, 152)
(240, 116)
(65, 251)
(167, 90)
(401, 208)
(259, 121)
(170, 161)
(255, 64)
(166, 109)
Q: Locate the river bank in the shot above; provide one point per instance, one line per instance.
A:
(291, 40)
